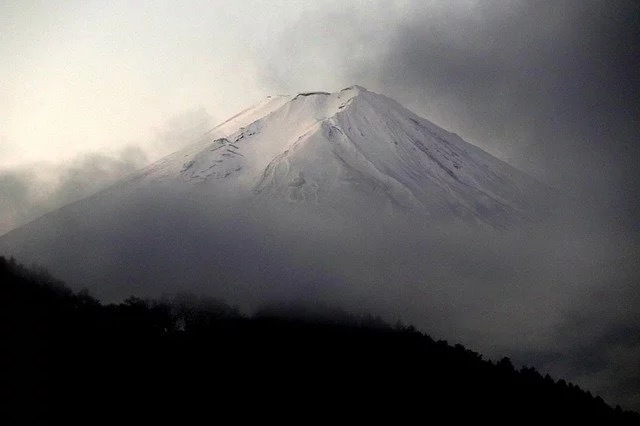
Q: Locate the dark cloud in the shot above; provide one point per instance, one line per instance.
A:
(597, 342)
(554, 85)
(607, 362)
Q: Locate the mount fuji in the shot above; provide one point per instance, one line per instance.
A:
(231, 198)
(349, 150)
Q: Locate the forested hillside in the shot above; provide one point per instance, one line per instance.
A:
(67, 357)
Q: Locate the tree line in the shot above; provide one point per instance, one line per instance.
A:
(65, 356)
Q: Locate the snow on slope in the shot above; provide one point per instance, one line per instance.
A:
(349, 150)
(184, 161)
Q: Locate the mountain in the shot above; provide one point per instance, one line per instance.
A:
(349, 150)
(224, 204)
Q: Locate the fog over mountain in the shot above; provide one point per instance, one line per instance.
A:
(350, 199)
(534, 256)
(33, 189)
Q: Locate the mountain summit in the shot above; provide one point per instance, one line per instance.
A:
(349, 150)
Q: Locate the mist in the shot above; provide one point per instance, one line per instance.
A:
(30, 190)
(522, 293)
(550, 87)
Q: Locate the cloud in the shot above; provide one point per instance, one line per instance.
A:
(553, 297)
(601, 343)
(31, 191)
(179, 131)
(556, 83)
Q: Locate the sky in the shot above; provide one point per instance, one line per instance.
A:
(93, 90)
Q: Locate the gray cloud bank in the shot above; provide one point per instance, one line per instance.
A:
(554, 296)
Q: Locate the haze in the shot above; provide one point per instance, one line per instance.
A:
(91, 91)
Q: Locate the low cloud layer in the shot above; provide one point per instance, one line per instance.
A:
(556, 296)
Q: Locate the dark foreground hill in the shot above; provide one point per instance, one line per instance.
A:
(66, 358)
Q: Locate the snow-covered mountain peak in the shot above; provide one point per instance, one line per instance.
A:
(345, 151)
